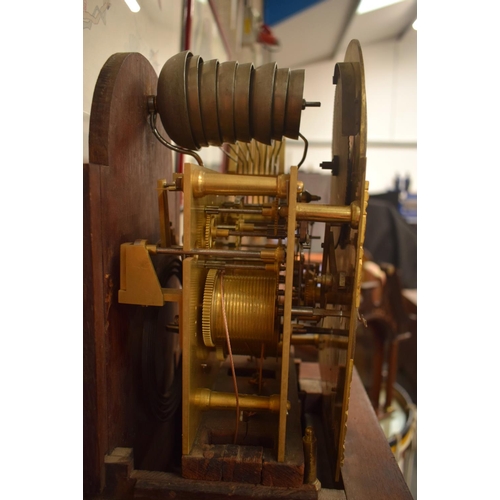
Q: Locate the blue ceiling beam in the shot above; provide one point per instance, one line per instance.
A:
(276, 11)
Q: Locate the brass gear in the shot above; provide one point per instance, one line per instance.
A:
(208, 296)
(209, 223)
(200, 233)
(310, 293)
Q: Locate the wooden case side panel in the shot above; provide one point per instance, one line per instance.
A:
(370, 469)
(120, 199)
(94, 362)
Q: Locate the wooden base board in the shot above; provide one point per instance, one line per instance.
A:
(125, 483)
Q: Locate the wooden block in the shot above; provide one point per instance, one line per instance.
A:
(282, 474)
(205, 462)
(231, 457)
(250, 469)
(119, 465)
(242, 464)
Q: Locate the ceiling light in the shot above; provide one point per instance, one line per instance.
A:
(414, 25)
(133, 5)
(369, 5)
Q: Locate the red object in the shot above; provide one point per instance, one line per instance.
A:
(266, 36)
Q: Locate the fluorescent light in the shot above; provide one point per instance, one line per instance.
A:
(133, 5)
(369, 5)
(414, 25)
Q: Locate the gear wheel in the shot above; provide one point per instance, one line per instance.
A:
(208, 296)
(310, 293)
(209, 226)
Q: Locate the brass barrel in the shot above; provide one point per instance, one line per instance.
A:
(326, 213)
(212, 400)
(250, 307)
(205, 183)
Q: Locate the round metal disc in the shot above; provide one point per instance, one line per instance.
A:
(193, 100)
(279, 104)
(242, 89)
(262, 102)
(225, 100)
(171, 100)
(348, 185)
(208, 102)
(294, 103)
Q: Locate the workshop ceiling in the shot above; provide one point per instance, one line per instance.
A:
(324, 29)
(308, 30)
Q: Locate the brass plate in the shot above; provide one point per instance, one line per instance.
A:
(193, 100)
(225, 100)
(287, 315)
(242, 90)
(294, 103)
(171, 100)
(348, 186)
(199, 364)
(262, 102)
(208, 102)
(279, 103)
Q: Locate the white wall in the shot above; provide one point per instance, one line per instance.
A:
(154, 32)
(391, 93)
